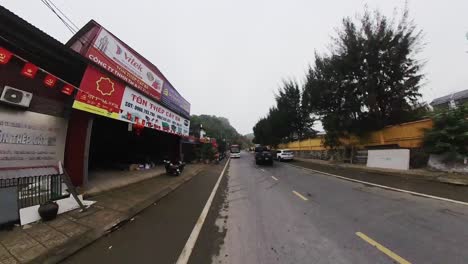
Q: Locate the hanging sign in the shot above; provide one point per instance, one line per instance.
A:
(29, 70)
(50, 80)
(68, 89)
(114, 56)
(5, 56)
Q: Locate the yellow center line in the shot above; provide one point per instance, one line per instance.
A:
(383, 249)
(274, 178)
(300, 196)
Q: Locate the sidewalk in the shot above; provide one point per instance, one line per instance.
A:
(50, 242)
(446, 185)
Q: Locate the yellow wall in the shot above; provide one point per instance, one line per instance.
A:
(406, 135)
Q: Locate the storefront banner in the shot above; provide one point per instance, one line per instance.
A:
(112, 55)
(102, 95)
(172, 99)
(29, 139)
(137, 107)
(99, 94)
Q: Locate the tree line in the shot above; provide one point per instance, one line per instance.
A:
(219, 128)
(369, 78)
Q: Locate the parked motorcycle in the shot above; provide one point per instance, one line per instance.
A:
(174, 168)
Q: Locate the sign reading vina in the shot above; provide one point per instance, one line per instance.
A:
(103, 95)
(112, 55)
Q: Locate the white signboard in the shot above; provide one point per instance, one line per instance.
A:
(125, 64)
(29, 139)
(137, 107)
(389, 159)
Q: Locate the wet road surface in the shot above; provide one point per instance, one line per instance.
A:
(450, 191)
(283, 214)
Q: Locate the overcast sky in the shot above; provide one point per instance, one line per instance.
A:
(227, 58)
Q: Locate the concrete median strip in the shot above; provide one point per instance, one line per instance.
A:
(382, 186)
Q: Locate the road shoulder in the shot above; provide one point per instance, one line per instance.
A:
(393, 181)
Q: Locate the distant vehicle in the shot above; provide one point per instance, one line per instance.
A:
(263, 156)
(235, 151)
(284, 154)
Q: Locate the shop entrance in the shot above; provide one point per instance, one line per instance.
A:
(115, 151)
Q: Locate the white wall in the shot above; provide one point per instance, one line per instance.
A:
(389, 159)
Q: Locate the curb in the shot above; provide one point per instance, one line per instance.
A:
(383, 186)
(73, 245)
(440, 177)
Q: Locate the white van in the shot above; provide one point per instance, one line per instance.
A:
(235, 151)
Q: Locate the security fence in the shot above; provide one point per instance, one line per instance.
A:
(35, 190)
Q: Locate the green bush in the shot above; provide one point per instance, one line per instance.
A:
(449, 134)
(207, 151)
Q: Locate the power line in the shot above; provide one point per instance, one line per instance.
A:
(47, 4)
(72, 30)
(66, 17)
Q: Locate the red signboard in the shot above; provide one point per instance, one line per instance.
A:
(106, 96)
(112, 55)
(5, 56)
(29, 70)
(50, 80)
(100, 92)
(68, 89)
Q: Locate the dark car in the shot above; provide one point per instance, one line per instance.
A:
(263, 156)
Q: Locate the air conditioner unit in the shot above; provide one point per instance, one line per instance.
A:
(17, 97)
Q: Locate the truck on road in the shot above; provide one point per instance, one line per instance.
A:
(263, 156)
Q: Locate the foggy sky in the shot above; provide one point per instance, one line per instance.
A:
(228, 58)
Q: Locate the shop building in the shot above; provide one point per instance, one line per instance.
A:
(93, 103)
(37, 79)
(126, 114)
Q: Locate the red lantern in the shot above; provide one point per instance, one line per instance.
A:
(138, 126)
(68, 89)
(5, 56)
(50, 80)
(29, 70)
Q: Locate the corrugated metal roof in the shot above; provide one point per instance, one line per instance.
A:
(454, 96)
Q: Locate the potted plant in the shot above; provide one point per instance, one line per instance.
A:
(48, 210)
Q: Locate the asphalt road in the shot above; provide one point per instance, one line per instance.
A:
(283, 214)
(159, 233)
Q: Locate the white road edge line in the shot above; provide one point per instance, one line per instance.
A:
(383, 186)
(190, 244)
(274, 178)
